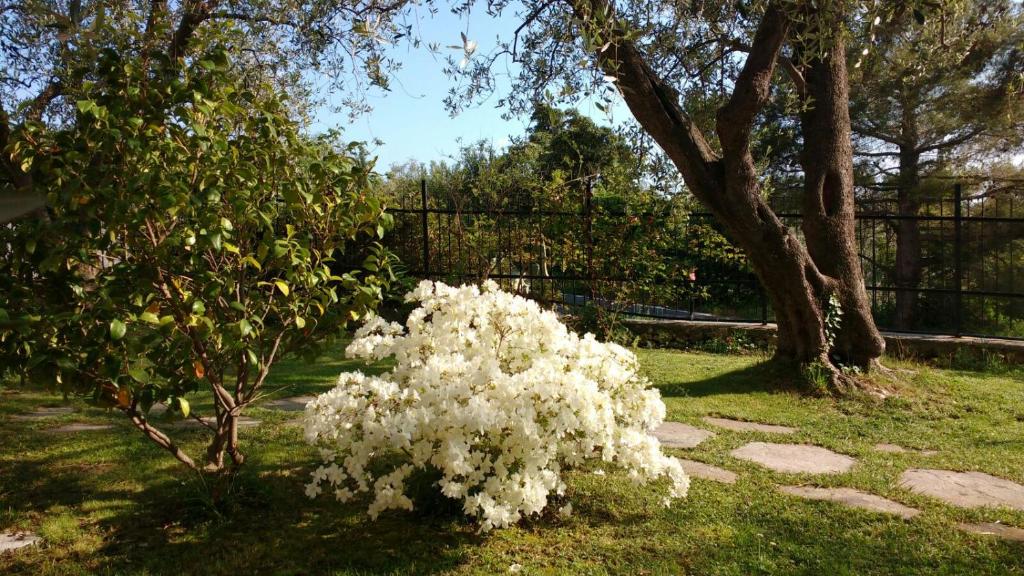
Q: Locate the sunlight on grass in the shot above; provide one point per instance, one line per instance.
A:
(109, 502)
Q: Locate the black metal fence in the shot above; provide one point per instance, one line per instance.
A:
(951, 262)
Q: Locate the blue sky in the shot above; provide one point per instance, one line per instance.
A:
(411, 120)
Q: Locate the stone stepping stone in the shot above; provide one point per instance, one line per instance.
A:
(243, 422)
(794, 458)
(79, 427)
(743, 426)
(897, 449)
(707, 471)
(993, 529)
(853, 499)
(966, 489)
(293, 404)
(44, 412)
(679, 435)
(10, 541)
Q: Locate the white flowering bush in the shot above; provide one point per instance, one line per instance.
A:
(493, 395)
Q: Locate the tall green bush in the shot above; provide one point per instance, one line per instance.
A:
(194, 235)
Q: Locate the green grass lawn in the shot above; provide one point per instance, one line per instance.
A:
(109, 502)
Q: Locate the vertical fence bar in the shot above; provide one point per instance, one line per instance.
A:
(425, 227)
(958, 264)
(588, 211)
(764, 304)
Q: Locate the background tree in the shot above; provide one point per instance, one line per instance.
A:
(936, 98)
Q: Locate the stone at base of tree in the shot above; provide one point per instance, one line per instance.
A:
(79, 427)
(744, 426)
(10, 541)
(794, 458)
(679, 435)
(965, 489)
(707, 471)
(852, 498)
(293, 404)
(993, 529)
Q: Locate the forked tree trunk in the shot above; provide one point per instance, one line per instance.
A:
(798, 278)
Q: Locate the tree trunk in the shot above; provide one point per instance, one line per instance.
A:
(828, 205)
(798, 279)
(908, 237)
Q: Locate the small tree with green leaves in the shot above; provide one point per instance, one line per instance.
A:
(195, 235)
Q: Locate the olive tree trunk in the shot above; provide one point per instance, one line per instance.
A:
(799, 278)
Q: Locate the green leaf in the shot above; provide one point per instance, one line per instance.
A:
(183, 406)
(282, 286)
(149, 317)
(300, 321)
(244, 327)
(117, 330)
(139, 374)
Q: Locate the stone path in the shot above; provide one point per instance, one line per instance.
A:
(897, 449)
(992, 529)
(743, 426)
(679, 435)
(79, 427)
(966, 489)
(707, 471)
(243, 422)
(852, 498)
(14, 540)
(794, 458)
(293, 404)
(44, 412)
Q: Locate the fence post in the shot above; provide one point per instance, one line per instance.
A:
(958, 263)
(764, 304)
(588, 210)
(423, 222)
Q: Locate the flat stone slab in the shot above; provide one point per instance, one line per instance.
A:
(707, 471)
(794, 458)
(243, 422)
(44, 412)
(293, 404)
(743, 426)
(79, 427)
(966, 489)
(992, 529)
(14, 540)
(897, 449)
(679, 435)
(853, 499)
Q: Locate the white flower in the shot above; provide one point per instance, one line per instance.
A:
(492, 393)
(515, 568)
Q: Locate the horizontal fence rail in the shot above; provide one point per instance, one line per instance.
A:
(949, 263)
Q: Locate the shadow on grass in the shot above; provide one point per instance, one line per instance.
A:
(766, 377)
(266, 526)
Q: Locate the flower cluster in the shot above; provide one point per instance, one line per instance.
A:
(495, 396)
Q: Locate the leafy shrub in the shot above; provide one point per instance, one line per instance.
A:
(493, 395)
(194, 235)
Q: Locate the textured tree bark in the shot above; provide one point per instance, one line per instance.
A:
(798, 278)
(828, 205)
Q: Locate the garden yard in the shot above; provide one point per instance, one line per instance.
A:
(106, 502)
(601, 287)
